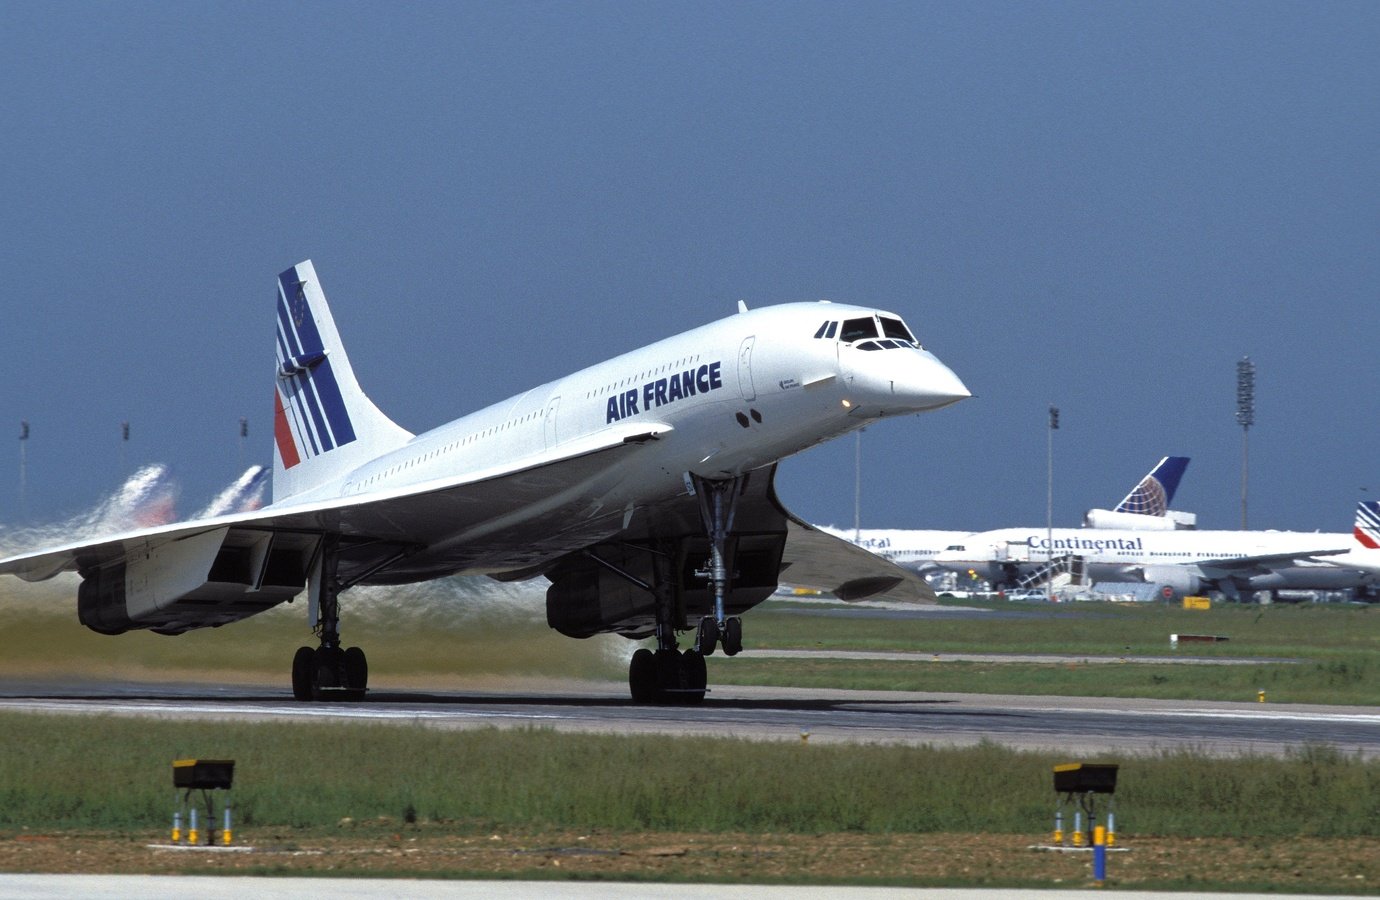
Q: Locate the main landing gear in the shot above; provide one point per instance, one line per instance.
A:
(330, 672)
(668, 675)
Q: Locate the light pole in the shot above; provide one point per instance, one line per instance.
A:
(1049, 507)
(23, 469)
(1245, 417)
(857, 487)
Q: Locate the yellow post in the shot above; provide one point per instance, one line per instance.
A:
(1260, 696)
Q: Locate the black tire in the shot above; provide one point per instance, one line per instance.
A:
(356, 670)
(707, 636)
(304, 674)
(642, 676)
(669, 675)
(733, 636)
(696, 677)
(330, 667)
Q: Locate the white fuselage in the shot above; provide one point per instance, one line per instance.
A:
(1288, 560)
(914, 549)
(721, 400)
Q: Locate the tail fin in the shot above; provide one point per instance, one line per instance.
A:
(1368, 524)
(323, 424)
(1156, 491)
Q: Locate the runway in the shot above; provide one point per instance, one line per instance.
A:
(1079, 726)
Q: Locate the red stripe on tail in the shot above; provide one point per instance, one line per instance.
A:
(282, 434)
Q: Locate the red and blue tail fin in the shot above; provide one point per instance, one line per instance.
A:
(323, 424)
(1368, 524)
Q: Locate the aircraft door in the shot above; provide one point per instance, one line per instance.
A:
(745, 369)
(549, 422)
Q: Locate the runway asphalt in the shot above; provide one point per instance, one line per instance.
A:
(1073, 725)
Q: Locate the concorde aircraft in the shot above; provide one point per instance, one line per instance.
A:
(641, 487)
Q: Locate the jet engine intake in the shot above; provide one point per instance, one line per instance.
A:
(1173, 581)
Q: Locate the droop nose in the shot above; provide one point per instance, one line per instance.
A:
(937, 386)
(906, 381)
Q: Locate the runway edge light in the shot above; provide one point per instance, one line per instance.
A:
(206, 776)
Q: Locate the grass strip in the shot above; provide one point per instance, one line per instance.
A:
(59, 772)
(1344, 681)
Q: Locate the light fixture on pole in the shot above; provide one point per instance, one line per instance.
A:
(23, 468)
(1049, 507)
(1245, 417)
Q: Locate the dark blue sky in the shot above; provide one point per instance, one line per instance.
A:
(1101, 206)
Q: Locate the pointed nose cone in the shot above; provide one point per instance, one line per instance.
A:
(941, 387)
(923, 383)
(900, 381)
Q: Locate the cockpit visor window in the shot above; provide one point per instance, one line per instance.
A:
(833, 330)
(857, 329)
(895, 328)
(822, 329)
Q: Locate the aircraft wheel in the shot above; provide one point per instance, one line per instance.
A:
(733, 636)
(642, 676)
(669, 675)
(707, 636)
(304, 674)
(356, 671)
(329, 667)
(695, 676)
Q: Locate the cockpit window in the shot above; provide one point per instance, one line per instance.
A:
(833, 330)
(868, 345)
(857, 329)
(895, 328)
(822, 328)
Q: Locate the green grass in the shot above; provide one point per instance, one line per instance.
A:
(58, 772)
(1334, 648)
(1100, 629)
(1341, 682)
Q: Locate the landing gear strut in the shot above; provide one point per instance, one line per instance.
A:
(718, 502)
(668, 675)
(328, 672)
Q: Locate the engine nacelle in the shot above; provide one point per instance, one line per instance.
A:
(588, 598)
(1173, 581)
(207, 580)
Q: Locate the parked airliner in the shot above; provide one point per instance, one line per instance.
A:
(1363, 556)
(1146, 507)
(641, 487)
(1181, 562)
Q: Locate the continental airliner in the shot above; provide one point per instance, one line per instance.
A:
(640, 487)
(1179, 562)
(1146, 508)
